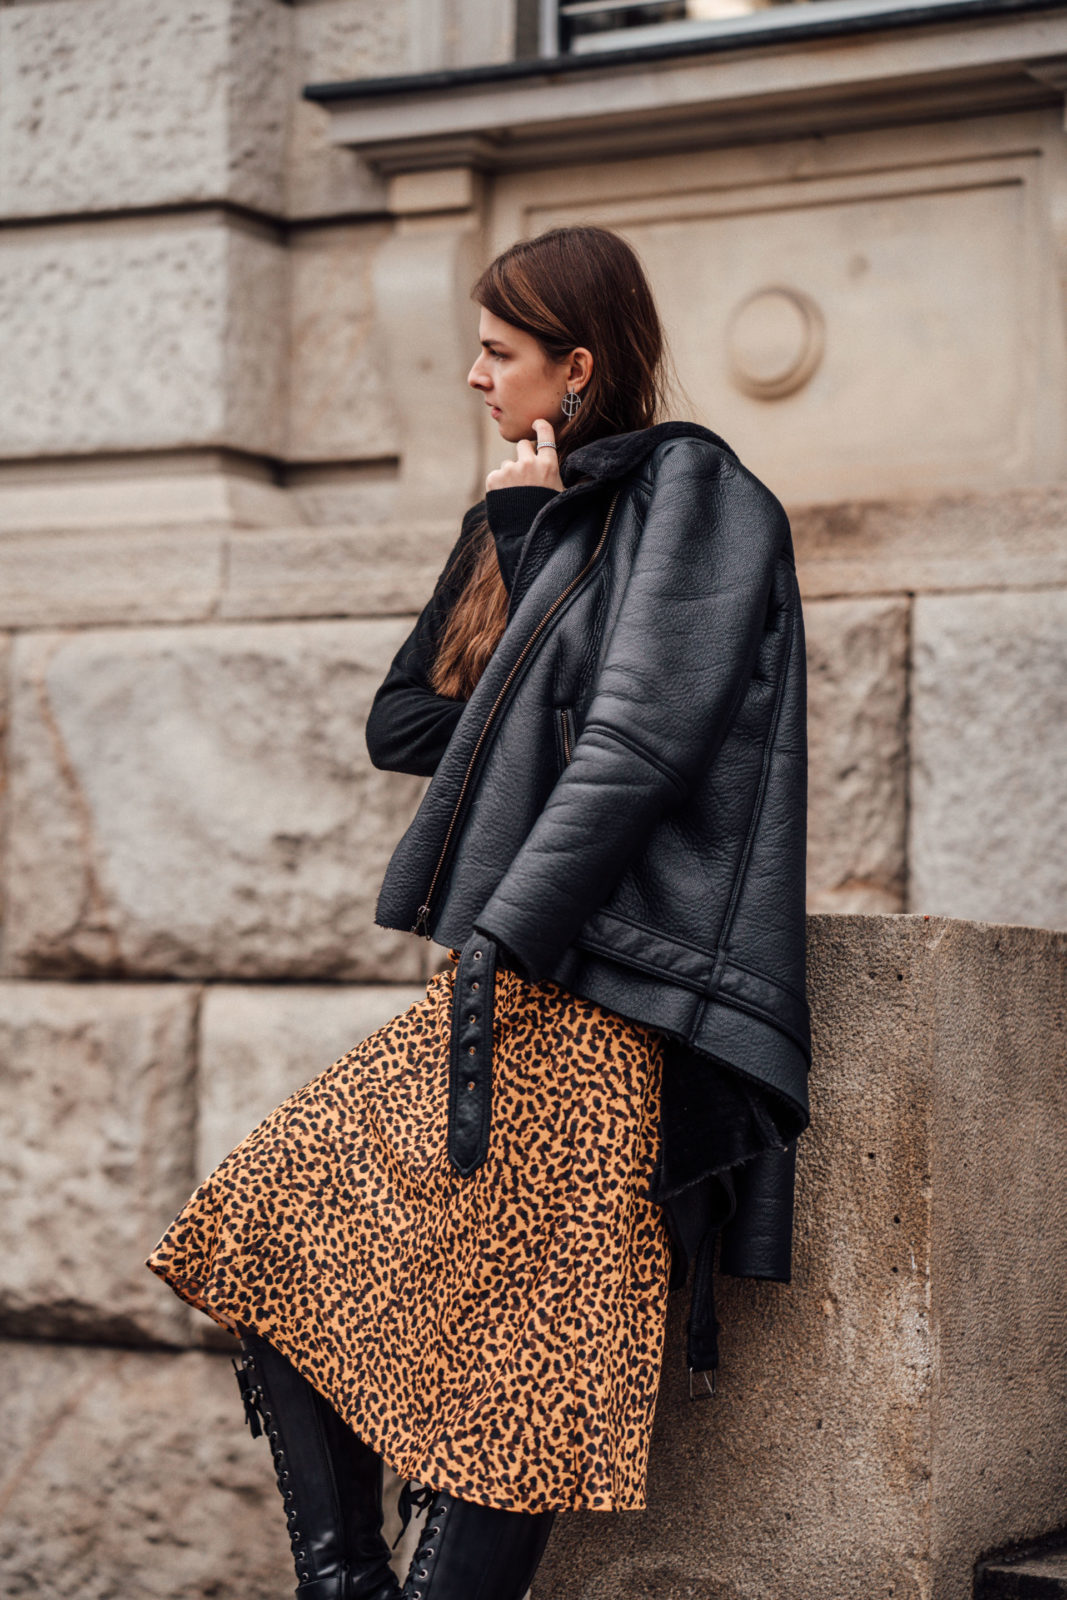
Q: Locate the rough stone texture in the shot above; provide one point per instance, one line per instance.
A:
(339, 404)
(184, 491)
(176, 573)
(199, 802)
(98, 1112)
(857, 767)
(989, 750)
(360, 571)
(428, 330)
(258, 1045)
(334, 40)
(5, 676)
(999, 1224)
(133, 1474)
(901, 1407)
(161, 332)
(110, 104)
(990, 541)
(134, 575)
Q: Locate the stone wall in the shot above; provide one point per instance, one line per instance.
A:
(234, 446)
(881, 1422)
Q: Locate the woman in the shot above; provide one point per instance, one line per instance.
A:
(452, 1249)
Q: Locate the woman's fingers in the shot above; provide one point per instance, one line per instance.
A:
(533, 464)
(547, 455)
(546, 434)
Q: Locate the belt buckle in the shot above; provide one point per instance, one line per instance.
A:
(709, 1383)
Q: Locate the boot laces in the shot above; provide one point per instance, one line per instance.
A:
(422, 1561)
(260, 1420)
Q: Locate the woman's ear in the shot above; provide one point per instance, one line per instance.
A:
(581, 367)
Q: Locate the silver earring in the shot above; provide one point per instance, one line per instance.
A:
(570, 403)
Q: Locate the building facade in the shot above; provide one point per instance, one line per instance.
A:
(237, 239)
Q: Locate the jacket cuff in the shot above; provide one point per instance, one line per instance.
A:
(510, 512)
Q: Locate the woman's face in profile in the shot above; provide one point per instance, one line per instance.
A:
(516, 379)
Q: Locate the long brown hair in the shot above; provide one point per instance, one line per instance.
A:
(568, 287)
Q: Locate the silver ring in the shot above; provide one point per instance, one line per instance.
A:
(545, 444)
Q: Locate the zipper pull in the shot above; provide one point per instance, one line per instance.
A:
(422, 922)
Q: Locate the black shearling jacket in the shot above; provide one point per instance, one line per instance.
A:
(620, 807)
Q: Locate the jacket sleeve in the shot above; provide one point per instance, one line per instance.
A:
(757, 1240)
(672, 674)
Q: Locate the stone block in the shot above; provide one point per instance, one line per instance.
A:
(199, 802)
(857, 773)
(111, 104)
(259, 1045)
(98, 1111)
(307, 571)
(1010, 540)
(133, 575)
(5, 674)
(130, 1473)
(340, 407)
(133, 1474)
(141, 335)
(184, 491)
(900, 1407)
(989, 757)
(335, 40)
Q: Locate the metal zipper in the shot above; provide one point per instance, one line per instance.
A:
(564, 717)
(422, 919)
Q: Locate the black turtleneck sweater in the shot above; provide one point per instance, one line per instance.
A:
(410, 723)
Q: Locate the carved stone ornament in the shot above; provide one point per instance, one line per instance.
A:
(774, 342)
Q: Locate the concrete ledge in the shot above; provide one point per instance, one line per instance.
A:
(901, 1407)
(720, 92)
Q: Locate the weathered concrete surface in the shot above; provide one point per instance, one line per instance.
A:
(132, 1474)
(258, 1045)
(901, 1407)
(98, 1115)
(144, 334)
(110, 104)
(128, 1474)
(999, 1227)
(340, 407)
(857, 742)
(362, 571)
(184, 491)
(335, 40)
(134, 575)
(5, 675)
(1008, 540)
(989, 757)
(199, 802)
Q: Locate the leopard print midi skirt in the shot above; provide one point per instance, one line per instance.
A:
(499, 1335)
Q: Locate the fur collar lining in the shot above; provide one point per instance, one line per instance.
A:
(618, 453)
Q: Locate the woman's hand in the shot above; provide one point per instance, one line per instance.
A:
(537, 465)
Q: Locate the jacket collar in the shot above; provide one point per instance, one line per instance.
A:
(619, 453)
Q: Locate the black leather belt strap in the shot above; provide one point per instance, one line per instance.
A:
(470, 1089)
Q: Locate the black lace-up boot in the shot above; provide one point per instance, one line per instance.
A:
(330, 1481)
(470, 1552)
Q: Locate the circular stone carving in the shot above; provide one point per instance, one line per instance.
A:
(774, 340)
